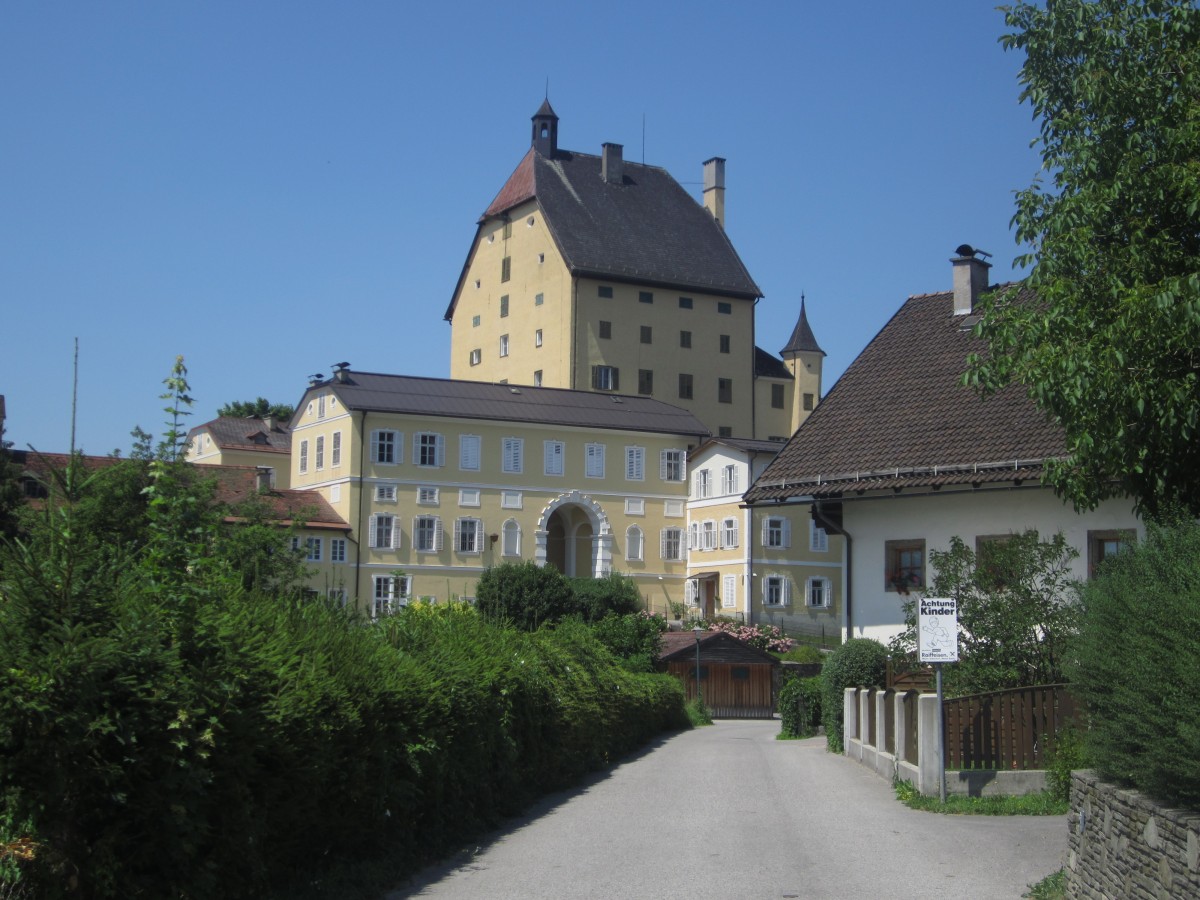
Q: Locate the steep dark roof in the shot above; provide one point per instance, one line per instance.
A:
(647, 229)
(511, 403)
(899, 417)
(233, 433)
(747, 444)
(802, 340)
(769, 366)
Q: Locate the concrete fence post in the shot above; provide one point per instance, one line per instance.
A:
(929, 744)
(849, 718)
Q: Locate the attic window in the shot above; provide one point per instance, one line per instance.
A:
(604, 291)
(685, 302)
(529, 221)
(725, 309)
(541, 258)
(476, 284)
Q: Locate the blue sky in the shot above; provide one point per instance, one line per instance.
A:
(267, 188)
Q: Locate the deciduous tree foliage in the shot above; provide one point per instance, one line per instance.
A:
(1112, 351)
(259, 407)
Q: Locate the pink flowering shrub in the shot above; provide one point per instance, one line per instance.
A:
(764, 637)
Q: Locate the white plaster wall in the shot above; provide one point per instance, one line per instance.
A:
(877, 613)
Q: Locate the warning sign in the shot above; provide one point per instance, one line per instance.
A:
(937, 629)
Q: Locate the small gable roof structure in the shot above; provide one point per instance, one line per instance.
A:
(237, 484)
(507, 402)
(234, 433)
(900, 417)
(715, 646)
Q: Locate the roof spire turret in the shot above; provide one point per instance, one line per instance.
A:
(545, 130)
(802, 340)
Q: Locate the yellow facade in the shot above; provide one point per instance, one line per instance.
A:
(798, 572)
(202, 449)
(451, 502)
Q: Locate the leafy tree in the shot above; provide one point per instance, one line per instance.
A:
(1111, 348)
(259, 407)
(635, 638)
(1018, 611)
(11, 495)
(600, 597)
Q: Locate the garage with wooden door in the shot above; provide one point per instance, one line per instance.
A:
(736, 680)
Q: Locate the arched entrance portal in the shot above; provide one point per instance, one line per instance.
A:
(574, 537)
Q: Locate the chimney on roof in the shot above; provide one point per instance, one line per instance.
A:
(970, 277)
(612, 163)
(268, 422)
(341, 372)
(714, 188)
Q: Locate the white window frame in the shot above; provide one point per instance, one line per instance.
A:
(672, 465)
(553, 457)
(691, 592)
(390, 538)
(311, 546)
(468, 536)
(729, 479)
(605, 378)
(321, 407)
(821, 589)
(468, 497)
(385, 493)
(390, 593)
(469, 452)
(335, 451)
(428, 496)
(777, 537)
(635, 543)
(593, 456)
(537, 338)
(476, 355)
(427, 534)
(635, 463)
(729, 533)
(779, 587)
(511, 500)
(337, 550)
(703, 484)
(320, 450)
(512, 455)
(428, 444)
(510, 538)
(729, 592)
(635, 506)
(818, 539)
(673, 509)
(303, 457)
(386, 439)
(503, 345)
(670, 543)
(708, 535)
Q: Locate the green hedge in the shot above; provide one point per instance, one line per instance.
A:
(800, 706)
(1138, 668)
(287, 734)
(859, 662)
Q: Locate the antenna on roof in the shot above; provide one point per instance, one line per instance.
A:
(547, 87)
(643, 139)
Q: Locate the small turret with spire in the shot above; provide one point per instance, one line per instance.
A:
(545, 130)
(804, 358)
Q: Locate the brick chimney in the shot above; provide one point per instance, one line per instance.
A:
(612, 163)
(714, 188)
(970, 278)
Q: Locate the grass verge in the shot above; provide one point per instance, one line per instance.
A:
(1052, 887)
(1040, 804)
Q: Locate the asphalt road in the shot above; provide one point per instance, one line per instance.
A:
(730, 812)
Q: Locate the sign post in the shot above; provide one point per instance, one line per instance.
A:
(937, 643)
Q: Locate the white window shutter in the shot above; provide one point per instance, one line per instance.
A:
(787, 590)
(437, 533)
(787, 532)
(441, 450)
(395, 532)
(662, 464)
(371, 531)
(689, 592)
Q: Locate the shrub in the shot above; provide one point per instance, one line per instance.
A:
(762, 637)
(803, 653)
(525, 595)
(860, 662)
(800, 706)
(1068, 756)
(697, 713)
(635, 638)
(1138, 668)
(615, 594)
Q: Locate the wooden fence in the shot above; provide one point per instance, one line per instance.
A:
(1013, 729)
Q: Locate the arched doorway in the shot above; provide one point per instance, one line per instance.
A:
(574, 537)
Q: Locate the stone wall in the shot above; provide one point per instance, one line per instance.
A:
(1123, 845)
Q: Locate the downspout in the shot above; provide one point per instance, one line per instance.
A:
(818, 515)
(362, 462)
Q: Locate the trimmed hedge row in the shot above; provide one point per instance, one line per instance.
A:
(283, 735)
